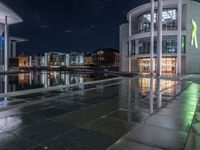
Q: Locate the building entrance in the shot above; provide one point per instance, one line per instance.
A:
(168, 65)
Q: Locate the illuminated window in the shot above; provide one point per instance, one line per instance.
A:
(169, 19)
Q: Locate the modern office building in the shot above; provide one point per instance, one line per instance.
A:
(7, 17)
(55, 60)
(35, 60)
(180, 38)
(88, 59)
(76, 58)
(106, 57)
(13, 62)
(23, 61)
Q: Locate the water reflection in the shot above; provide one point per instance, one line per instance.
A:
(151, 94)
(23, 81)
(158, 93)
(145, 95)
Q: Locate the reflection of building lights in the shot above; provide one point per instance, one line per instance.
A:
(3, 102)
(23, 78)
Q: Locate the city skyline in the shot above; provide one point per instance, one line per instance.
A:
(85, 26)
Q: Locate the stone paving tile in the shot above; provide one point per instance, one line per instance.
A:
(190, 95)
(16, 121)
(12, 142)
(134, 116)
(88, 114)
(33, 107)
(156, 105)
(184, 98)
(42, 131)
(80, 140)
(69, 107)
(15, 102)
(10, 112)
(35, 95)
(193, 143)
(158, 137)
(179, 124)
(94, 100)
(49, 112)
(130, 145)
(176, 113)
(182, 107)
(107, 125)
(186, 102)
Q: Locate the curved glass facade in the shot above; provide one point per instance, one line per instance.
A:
(142, 46)
(169, 19)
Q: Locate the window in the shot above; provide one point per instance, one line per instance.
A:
(169, 45)
(169, 20)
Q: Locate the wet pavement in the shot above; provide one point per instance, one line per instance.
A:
(124, 114)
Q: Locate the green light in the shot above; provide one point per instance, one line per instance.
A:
(183, 42)
(194, 41)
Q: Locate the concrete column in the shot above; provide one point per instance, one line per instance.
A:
(129, 98)
(129, 57)
(179, 38)
(130, 25)
(124, 34)
(152, 37)
(151, 94)
(6, 45)
(30, 78)
(159, 40)
(130, 44)
(6, 84)
(14, 49)
(136, 47)
(30, 61)
(158, 93)
(10, 49)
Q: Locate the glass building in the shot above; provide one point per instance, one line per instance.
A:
(135, 38)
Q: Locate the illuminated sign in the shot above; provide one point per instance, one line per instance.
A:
(194, 41)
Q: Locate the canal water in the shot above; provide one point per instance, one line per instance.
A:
(32, 80)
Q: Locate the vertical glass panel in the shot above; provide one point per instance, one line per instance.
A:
(169, 19)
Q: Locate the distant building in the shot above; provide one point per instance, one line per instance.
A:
(35, 60)
(55, 60)
(13, 62)
(76, 58)
(23, 61)
(106, 57)
(88, 60)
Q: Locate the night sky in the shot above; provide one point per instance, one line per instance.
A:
(69, 25)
